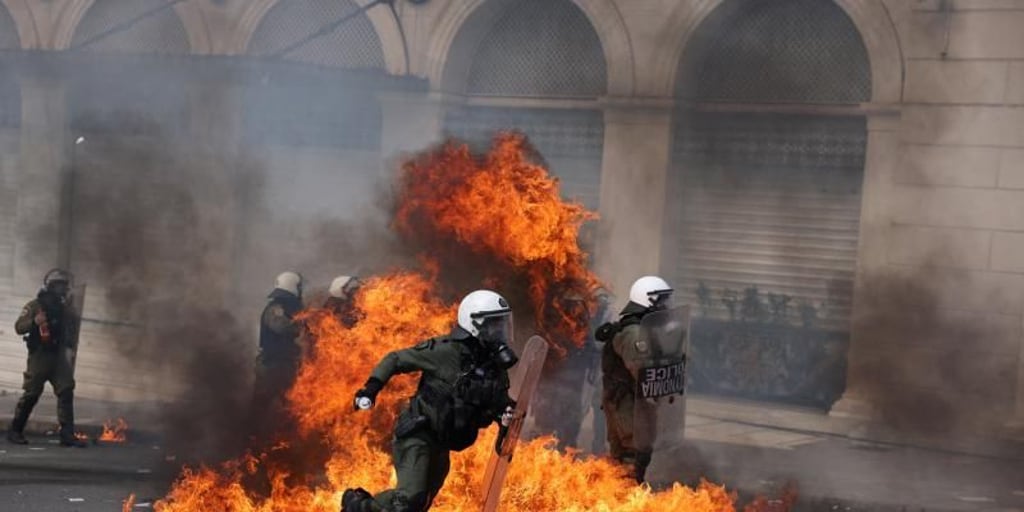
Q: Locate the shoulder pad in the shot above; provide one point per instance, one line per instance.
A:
(426, 345)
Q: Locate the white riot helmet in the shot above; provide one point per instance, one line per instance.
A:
(290, 282)
(650, 291)
(342, 286)
(488, 317)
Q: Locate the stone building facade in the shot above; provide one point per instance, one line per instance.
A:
(810, 153)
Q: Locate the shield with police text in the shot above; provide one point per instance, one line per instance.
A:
(659, 411)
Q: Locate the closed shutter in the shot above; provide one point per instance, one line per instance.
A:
(769, 201)
(126, 228)
(570, 141)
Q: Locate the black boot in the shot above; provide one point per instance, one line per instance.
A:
(356, 500)
(16, 437)
(643, 459)
(16, 434)
(66, 416)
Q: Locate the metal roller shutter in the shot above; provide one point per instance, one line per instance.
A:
(768, 202)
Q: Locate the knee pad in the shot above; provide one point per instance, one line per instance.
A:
(356, 500)
(415, 503)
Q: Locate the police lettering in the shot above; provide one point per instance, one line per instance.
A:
(662, 381)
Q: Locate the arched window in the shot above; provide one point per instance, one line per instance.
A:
(540, 48)
(354, 44)
(764, 197)
(315, 112)
(10, 90)
(134, 26)
(544, 49)
(121, 88)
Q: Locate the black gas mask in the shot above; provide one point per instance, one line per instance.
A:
(57, 283)
(495, 332)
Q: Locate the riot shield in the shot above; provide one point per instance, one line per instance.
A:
(659, 411)
(76, 300)
(522, 384)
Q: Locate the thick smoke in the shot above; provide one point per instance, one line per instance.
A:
(155, 228)
(921, 364)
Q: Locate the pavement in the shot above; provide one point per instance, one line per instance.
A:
(753, 447)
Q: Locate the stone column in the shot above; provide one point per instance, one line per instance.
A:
(1015, 426)
(634, 169)
(40, 241)
(882, 158)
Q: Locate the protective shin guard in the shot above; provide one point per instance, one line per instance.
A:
(21, 413)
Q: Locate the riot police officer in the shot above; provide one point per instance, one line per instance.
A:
(280, 352)
(48, 324)
(624, 354)
(340, 299)
(463, 388)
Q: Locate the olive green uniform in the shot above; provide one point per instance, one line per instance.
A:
(47, 362)
(631, 423)
(441, 417)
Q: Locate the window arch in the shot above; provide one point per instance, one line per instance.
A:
(10, 89)
(8, 31)
(355, 44)
(765, 194)
(769, 51)
(160, 31)
(533, 49)
(539, 48)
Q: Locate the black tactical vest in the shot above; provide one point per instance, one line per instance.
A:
(55, 311)
(457, 411)
(275, 347)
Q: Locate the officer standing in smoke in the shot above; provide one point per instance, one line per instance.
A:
(48, 324)
(558, 406)
(592, 349)
(280, 352)
(463, 387)
(341, 299)
(625, 353)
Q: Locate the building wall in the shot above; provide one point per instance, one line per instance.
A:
(943, 193)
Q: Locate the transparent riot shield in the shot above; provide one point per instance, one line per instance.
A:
(74, 328)
(659, 411)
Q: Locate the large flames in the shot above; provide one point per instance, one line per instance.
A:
(404, 307)
(503, 213)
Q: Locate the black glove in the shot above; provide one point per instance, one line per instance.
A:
(606, 332)
(369, 392)
(502, 432)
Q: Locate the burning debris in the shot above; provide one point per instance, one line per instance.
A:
(128, 503)
(495, 221)
(114, 431)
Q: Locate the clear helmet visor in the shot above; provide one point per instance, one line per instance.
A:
(494, 328)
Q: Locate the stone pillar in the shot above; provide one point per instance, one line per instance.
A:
(40, 242)
(409, 122)
(1015, 426)
(634, 169)
(881, 161)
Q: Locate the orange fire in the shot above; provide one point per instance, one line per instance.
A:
(506, 209)
(114, 431)
(128, 503)
(514, 213)
(399, 311)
